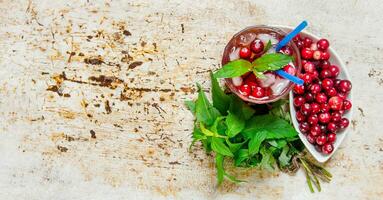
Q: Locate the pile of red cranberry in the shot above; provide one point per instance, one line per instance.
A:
(322, 100)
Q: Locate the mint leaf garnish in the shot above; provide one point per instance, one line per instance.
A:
(271, 62)
(234, 69)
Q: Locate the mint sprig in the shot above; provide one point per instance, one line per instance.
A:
(267, 62)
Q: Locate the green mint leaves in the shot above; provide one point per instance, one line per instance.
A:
(234, 130)
(267, 62)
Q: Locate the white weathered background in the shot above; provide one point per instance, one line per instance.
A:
(140, 149)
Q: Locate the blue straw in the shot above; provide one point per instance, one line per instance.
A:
(281, 44)
(290, 77)
(291, 35)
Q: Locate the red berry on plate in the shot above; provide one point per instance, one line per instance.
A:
(325, 55)
(309, 97)
(324, 64)
(299, 89)
(332, 127)
(347, 105)
(334, 70)
(344, 86)
(323, 44)
(304, 127)
(312, 119)
(324, 117)
(307, 53)
(325, 73)
(300, 117)
(299, 44)
(323, 128)
(335, 103)
(317, 55)
(311, 138)
(324, 107)
(244, 89)
(307, 78)
(331, 92)
(244, 53)
(315, 130)
(309, 67)
(344, 123)
(321, 98)
(331, 137)
(257, 46)
(336, 116)
(315, 88)
(298, 101)
(342, 95)
(327, 83)
(315, 108)
(327, 148)
(306, 109)
(321, 140)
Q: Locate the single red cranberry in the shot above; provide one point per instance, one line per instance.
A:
(334, 70)
(325, 73)
(347, 104)
(252, 85)
(299, 89)
(244, 52)
(309, 97)
(317, 55)
(307, 53)
(332, 127)
(250, 78)
(244, 89)
(300, 117)
(336, 83)
(298, 101)
(321, 140)
(307, 78)
(325, 64)
(311, 138)
(327, 148)
(324, 107)
(258, 92)
(287, 50)
(297, 38)
(299, 44)
(303, 62)
(312, 119)
(324, 117)
(257, 46)
(315, 75)
(335, 103)
(309, 67)
(331, 92)
(307, 42)
(289, 69)
(323, 44)
(306, 109)
(315, 108)
(323, 128)
(315, 88)
(331, 137)
(327, 83)
(304, 127)
(344, 123)
(342, 95)
(336, 116)
(325, 55)
(321, 98)
(315, 130)
(345, 85)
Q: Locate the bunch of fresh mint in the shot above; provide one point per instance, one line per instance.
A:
(252, 136)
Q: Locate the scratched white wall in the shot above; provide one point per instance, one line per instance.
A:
(142, 130)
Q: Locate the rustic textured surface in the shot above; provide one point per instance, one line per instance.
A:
(91, 97)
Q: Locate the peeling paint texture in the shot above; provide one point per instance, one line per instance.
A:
(91, 97)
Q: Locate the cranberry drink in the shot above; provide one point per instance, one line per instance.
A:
(322, 101)
(251, 44)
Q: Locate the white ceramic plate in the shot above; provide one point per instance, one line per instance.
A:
(334, 59)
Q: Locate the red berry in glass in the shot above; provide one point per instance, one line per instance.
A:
(299, 89)
(245, 53)
(334, 70)
(297, 38)
(331, 137)
(312, 119)
(327, 83)
(307, 42)
(325, 55)
(321, 98)
(307, 53)
(344, 123)
(323, 44)
(299, 44)
(324, 117)
(257, 46)
(327, 148)
(344, 86)
(287, 50)
(347, 105)
(244, 89)
(306, 109)
(321, 140)
(289, 69)
(335, 103)
(258, 92)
